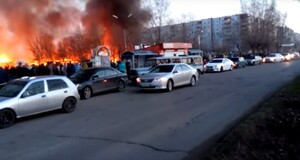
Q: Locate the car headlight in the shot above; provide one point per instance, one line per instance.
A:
(160, 79)
(78, 85)
(138, 80)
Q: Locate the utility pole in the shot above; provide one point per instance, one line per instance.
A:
(124, 30)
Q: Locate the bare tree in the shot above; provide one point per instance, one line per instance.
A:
(36, 48)
(160, 12)
(62, 51)
(42, 48)
(263, 18)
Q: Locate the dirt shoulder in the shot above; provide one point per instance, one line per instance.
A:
(270, 133)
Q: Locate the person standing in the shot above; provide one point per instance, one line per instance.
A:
(3, 76)
(121, 67)
(128, 67)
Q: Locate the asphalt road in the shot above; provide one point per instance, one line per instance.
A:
(136, 125)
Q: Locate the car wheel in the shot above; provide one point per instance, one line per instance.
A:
(192, 81)
(169, 85)
(69, 105)
(120, 86)
(86, 93)
(7, 118)
(221, 70)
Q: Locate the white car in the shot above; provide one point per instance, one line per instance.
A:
(32, 95)
(167, 76)
(287, 56)
(219, 65)
(274, 57)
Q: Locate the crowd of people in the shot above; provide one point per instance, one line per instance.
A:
(66, 69)
(21, 70)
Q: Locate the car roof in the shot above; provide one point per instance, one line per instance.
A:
(95, 68)
(32, 78)
(171, 64)
(219, 58)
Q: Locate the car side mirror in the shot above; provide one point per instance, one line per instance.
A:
(175, 72)
(95, 77)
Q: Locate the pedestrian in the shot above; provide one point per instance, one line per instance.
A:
(121, 67)
(3, 76)
(128, 67)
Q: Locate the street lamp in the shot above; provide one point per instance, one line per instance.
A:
(199, 41)
(124, 30)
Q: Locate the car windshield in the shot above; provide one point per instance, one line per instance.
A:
(162, 69)
(216, 61)
(12, 89)
(83, 74)
(149, 63)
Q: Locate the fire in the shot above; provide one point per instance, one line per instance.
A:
(4, 60)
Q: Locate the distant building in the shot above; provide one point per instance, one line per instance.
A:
(222, 34)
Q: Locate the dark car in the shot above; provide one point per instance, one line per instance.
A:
(94, 80)
(239, 62)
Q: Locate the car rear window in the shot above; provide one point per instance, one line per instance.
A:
(56, 84)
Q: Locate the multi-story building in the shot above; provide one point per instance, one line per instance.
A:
(222, 34)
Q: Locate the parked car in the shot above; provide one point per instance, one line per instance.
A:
(219, 65)
(254, 60)
(168, 76)
(295, 55)
(32, 95)
(274, 57)
(239, 62)
(94, 80)
(287, 56)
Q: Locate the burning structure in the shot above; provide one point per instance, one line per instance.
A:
(56, 30)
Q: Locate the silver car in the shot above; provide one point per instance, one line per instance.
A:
(167, 76)
(32, 95)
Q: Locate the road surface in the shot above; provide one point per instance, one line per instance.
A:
(135, 125)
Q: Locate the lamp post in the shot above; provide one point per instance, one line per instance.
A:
(199, 41)
(124, 29)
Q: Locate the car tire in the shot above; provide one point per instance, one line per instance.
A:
(221, 70)
(169, 85)
(86, 93)
(69, 105)
(193, 81)
(7, 118)
(120, 86)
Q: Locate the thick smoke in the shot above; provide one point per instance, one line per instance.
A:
(24, 20)
(100, 13)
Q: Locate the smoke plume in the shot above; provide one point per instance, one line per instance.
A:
(23, 20)
(116, 15)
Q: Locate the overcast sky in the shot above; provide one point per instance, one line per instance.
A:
(203, 9)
